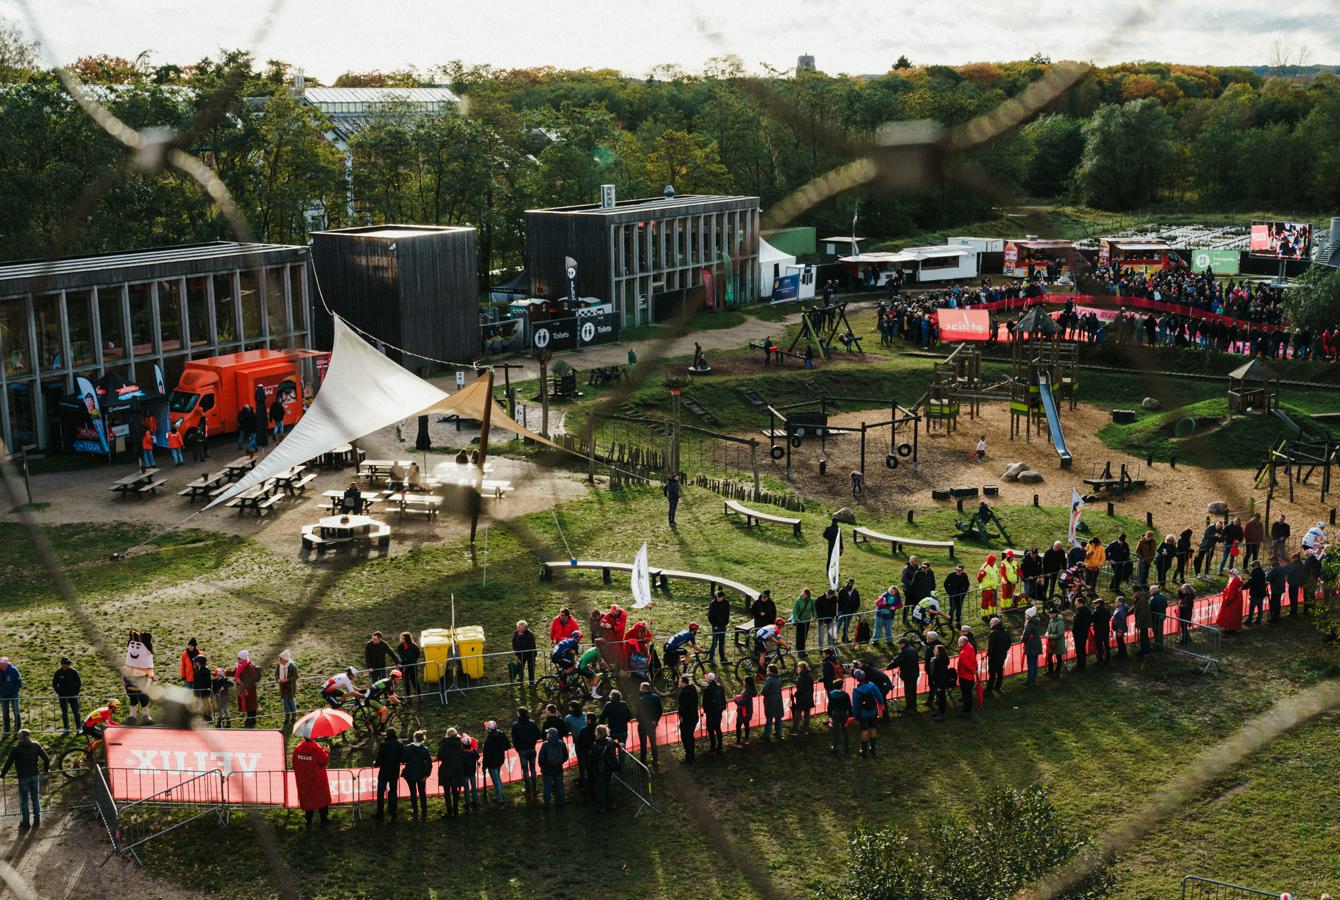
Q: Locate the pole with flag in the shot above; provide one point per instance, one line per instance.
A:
(641, 579)
(835, 563)
(854, 210)
(1076, 510)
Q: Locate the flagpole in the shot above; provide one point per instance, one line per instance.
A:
(476, 500)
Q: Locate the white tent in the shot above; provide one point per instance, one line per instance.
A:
(365, 392)
(772, 263)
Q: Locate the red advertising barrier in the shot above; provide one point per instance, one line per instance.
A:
(963, 324)
(1193, 312)
(238, 753)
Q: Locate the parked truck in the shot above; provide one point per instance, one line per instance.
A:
(215, 389)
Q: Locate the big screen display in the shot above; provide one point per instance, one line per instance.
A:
(1285, 240)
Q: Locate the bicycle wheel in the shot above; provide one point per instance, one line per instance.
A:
(74, 763)
(744, 667)
(665, 680)
(406, 722)
(786, 666)
(550, 689)
(698, 672)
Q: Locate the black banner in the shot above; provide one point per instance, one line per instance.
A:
(569, 333)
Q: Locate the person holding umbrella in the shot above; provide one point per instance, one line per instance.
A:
(310, 760)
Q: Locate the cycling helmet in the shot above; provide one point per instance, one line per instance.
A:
(351, 671)
(577, 635)
(693, 626)
(780, 622)
(113, 704)
(395, 673)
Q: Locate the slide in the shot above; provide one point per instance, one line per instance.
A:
(1290, 424)
(1053, 420)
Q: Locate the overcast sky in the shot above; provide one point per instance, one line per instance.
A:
(328, 37)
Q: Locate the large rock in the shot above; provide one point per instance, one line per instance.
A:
(1013, 470)
(1217, 508)
(845, 516)
(1030, 477)
(1151, 403)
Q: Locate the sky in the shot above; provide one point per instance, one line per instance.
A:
(327, 37)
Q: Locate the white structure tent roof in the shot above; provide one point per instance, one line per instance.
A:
(365, 392)
(911, 254)
(768, 254)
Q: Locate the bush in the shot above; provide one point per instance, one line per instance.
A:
(1011, 842)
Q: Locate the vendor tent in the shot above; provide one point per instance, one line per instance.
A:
(772, 264)
(364, 392)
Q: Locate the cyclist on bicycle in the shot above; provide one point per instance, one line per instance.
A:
(589, 666)
(766, 640)
(337, 687)
(382, 692)
(927, 612)
(103, 716)
(677, 648)
(564, 654)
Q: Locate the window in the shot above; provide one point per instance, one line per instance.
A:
(14, 336)
(183, 401)
(275, 303)
(197, 311)
(113, 325)
(249, 287)
(22, 414)
(169, 315)
(296, 298)
(79, 316)
(208, 403)
(141, 321)
(50, 352)
(225, 310)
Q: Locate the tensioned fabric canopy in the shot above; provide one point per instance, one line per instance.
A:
(365, 392)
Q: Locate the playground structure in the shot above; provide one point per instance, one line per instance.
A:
(1128, 478)
(822, 326)
(1253, 388)
(978, 526)
(1043, 369)
(1299, 458)
(789, 425)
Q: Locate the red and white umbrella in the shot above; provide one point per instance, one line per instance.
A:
(323, 723)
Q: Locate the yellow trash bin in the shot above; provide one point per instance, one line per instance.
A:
(470, 649)
(436, 644)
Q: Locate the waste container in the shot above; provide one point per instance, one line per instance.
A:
(436, 644)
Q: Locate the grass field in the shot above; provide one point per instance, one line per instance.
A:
(765, 822)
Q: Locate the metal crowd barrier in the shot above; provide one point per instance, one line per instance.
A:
(136, 823)
(636, 777)
(1194, 887)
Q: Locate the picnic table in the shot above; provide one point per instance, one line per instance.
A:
(598, 375)
(408, 502)
(340, 456)
(336, 530)
(381, 468)
(139, 484)
(204, 486)
(239, 467)
(294, 481)
(257, 498)
(337, 497)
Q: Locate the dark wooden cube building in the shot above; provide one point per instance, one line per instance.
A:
(414, 286)
(644, 256)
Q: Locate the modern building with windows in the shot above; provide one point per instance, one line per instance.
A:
(645, 256)
(126, 312)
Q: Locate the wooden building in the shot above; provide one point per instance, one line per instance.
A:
(125, 313)
(411, 286)
(647, 257)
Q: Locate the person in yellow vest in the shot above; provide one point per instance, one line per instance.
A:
(988, 579)
(1009, 577)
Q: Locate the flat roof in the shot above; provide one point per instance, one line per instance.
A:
(845, 239)
(378, 94)
(1041, 245)
(113, 267)
(393, 231)
(1139, 245)
(648, 204)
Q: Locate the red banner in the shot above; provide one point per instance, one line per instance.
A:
(963, 324)
(241, 754)
(1126, 302)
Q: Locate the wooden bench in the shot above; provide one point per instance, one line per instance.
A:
(150, 487)
(424, 503)
(858, 534)
(659, 576)
(300, 486)
(311, 540)
(752, 515)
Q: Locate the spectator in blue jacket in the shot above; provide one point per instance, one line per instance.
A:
(866, 703)
(11, 682)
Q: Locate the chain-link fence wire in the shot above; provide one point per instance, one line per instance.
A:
(900, 157)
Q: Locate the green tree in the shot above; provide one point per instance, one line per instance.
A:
(964, 857)
(1314, 301)
(18, 55)
(1053, 146)
(1128, 154)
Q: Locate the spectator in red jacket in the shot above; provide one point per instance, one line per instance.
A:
(562, 626)
(309, 773)
(967, 673)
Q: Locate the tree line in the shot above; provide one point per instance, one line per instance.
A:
(1124, 137)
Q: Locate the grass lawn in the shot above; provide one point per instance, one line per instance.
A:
(1217, 441)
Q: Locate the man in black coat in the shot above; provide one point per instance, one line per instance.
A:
(1101, 624)
(671, 491)
(923, 581)
(688, 716)
(849, 604)
(389, 756)
(825, 610)
(1277, 582)
(1053, 563)
(376, 653)
(909, 671)
(764, 610)
(582, 744)
(831, 534)
(714, 707)
(998, 642)
(956, 586)
(67, 684)
(907, 579)
(1119, 558)
(1081, 626)
(932, 641)
(718, 619)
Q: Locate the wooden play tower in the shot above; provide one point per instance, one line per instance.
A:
(1037, 353)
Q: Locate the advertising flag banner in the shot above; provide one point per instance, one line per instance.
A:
(835, 563)
(1076, 510)
(641, 580)
(963, 324)
(90, 436)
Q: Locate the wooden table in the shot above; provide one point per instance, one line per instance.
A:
(381, 468)
(407, 502)
(139, 484)
(339, 457)
(203, 486)
(257, 498)
(239, 467)
(335, 530)
(337, 497)
(294, 481)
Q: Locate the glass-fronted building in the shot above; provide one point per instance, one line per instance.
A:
(126, 312)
